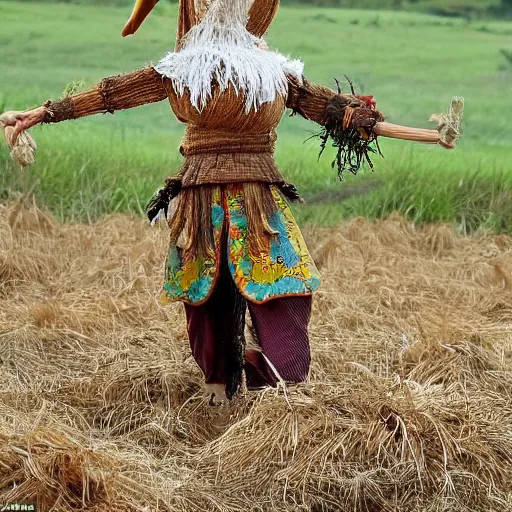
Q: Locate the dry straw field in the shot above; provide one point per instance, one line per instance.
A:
(408, 408)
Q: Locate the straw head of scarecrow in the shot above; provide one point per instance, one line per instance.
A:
(256, 15)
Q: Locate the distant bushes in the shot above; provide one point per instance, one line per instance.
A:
(460, 8)
(455, 8)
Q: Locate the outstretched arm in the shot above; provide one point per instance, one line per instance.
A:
(114, 93)
(325, 107)
(319, 104)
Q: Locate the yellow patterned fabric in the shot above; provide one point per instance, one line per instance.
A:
(285, 269)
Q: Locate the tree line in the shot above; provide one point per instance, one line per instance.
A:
(467, 8)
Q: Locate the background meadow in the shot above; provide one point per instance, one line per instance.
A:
(411, 61)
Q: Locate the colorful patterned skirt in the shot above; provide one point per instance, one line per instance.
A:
(281, 268)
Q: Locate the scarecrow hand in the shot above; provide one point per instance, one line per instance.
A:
(20, 122)
(15, 126)
(448, 125)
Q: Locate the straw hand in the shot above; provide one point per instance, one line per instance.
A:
(14, 126)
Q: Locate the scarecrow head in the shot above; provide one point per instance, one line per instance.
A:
(257, 13)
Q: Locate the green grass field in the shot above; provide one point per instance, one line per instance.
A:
(413, 63)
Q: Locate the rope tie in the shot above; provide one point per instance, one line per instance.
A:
(199, 141)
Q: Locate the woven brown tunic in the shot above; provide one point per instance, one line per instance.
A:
(229, 169)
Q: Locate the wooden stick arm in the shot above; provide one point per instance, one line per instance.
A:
(446, 134)
(396, 131)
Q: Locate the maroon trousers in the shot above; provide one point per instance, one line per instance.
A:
(280, 325)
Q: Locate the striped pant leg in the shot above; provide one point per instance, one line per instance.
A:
(281, 327)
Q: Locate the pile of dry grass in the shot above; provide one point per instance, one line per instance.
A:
(409, 405)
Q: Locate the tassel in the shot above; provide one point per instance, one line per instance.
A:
(235, 350)
(233, 331)
(289, 190)
(161, 199)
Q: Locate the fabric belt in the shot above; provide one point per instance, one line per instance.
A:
(201, 141)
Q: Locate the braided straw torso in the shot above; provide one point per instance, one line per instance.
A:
(223, 143)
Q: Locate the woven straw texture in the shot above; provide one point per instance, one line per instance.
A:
(261, 15)
(119, 92)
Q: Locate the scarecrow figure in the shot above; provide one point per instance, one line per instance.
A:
(234, 244)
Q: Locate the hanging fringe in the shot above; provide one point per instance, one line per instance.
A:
(259, 205)
(349, 125)
(233, 331)
(235, 350)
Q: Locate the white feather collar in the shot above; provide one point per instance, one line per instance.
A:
(221, 50)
